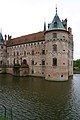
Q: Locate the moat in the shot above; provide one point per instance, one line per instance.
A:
(37, 99)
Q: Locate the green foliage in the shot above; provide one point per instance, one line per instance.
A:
(76, 63)
(3, 118)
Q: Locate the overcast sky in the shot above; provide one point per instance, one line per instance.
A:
(22, 17)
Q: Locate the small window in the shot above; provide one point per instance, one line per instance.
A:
(32, 62)
(55, 47)
(63, 37)
(43, 52)
(17, 53)
(54, 35)
(1, 62)
(21, 60)
(54, 61)
(14, 61)
(43, 62)
(1, 47)
(32, 71)
(32, 52)
(61, 75)
(24, 61)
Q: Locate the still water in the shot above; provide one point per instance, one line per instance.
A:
(36, 99)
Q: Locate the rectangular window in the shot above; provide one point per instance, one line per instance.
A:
(43, 52)
(17, 53)
(54, 61)
(32, 71)
(54, 35)
(32, 62)
(32, 52)
(55, 48)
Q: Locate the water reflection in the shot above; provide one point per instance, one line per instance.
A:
(36, 99)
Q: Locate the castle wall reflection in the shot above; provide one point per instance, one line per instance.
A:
(37, 99)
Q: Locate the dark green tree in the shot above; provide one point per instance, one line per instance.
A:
(76, 63)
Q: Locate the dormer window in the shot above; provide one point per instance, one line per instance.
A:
(55, 24)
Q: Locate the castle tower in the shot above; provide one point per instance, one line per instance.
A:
(59, 50)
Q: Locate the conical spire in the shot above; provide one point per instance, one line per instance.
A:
(56, 23)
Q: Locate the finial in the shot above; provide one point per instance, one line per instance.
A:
(56, 8)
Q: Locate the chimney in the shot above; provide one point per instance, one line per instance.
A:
(9, 37)
(5, 37)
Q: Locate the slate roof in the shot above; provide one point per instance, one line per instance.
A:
(56, 23)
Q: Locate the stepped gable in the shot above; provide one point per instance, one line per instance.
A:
(35, 37)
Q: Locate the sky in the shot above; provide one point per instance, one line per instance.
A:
(22, 17)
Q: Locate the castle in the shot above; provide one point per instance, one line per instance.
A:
(48, 53)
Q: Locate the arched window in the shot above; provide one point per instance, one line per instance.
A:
(54, 61)
(55, 48)
(32, 71)
(24, 61)
(43, 62)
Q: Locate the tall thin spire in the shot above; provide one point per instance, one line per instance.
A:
(56, 9)
(44, 26)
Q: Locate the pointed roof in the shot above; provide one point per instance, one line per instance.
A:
(1, 39)
(56, 23)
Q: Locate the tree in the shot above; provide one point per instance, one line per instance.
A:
(76, 63)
